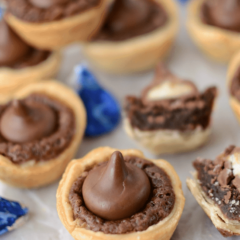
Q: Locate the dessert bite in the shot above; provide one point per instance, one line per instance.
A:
(216, 187)
(112, 194)
(212, 23)
(52, 24)
(171, 115)
(20, 63)
(147, 27)
(40, 130)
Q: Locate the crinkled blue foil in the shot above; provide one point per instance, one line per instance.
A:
(12, 215)
(183, 1)
(103, 111)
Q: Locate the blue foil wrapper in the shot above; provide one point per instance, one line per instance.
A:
(103, 111)
(12, 215)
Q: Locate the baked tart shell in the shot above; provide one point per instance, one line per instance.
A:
(225, 226)
(219, 44)
(161, 231)
(233, 66)
(139, 53)
(32, 174)
(168, 141)
(13, 79)
(57, 34)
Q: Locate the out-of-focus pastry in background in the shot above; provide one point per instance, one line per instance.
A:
(171, 115)
(233, 84)
(21, 63)
(135, 36)
(216, 187)
(52, 24)
(214, 25)
(40, 131)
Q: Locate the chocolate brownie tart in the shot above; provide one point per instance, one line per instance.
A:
(40, 131)
(52, 24)
(212, 24)
(135, 35)
(111, 194)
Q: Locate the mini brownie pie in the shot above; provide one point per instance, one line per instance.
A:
(216, 187)
(135, 35)
(215, 27)
(233, 83)
(171, 115)
(40, 131)
(20, 63)
(51, 24)
(110, 195)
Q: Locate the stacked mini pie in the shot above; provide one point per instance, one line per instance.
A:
(40, 131)
(135, 36)
(171, 115)
(112, 194)
(216, 187)
(215, 27)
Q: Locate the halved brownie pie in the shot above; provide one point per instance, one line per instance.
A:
(171, 115)
(216, 187)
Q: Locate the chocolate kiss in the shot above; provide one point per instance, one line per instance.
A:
(127, 14)
(116, 190)
(25, 122)
(47, 3)
(12, 47)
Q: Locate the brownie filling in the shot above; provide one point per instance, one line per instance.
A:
(222, 13)
(131, 18)
(174, 114)
(235, 85)
(48, 147)
(33, 58)
(27, 11)
(219, 183)
(158, 207)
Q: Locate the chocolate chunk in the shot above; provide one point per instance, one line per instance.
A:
(227, 197)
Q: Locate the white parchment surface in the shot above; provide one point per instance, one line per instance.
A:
(187, 62)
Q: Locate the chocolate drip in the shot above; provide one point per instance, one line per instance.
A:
(116, 190)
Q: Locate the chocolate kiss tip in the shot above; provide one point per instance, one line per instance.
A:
(117, 166)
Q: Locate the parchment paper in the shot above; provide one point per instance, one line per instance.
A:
(186, 61)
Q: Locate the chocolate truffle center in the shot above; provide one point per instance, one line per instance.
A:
(12, 47)
(116, 190)
(24, 122)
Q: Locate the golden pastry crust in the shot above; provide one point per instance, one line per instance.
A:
(13, 79)
(57, 34)
(233, 66)
(139, 53)
(32, 174)
(168, 141)
(217, 43)
(161, 231)
(224, 225)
